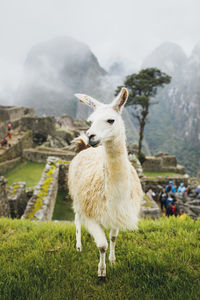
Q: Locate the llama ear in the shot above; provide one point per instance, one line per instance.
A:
(93, 103)
(120, 100)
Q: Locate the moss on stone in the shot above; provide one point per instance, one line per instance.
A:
(65, 162)
(14, 189)
(43, 191)
(147, 203)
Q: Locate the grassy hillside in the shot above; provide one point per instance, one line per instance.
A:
(159, 261)
(162, 174)
(63, 207)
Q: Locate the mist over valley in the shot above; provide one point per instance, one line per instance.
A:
(56, 69)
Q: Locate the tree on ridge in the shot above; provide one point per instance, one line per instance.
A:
(142, 88)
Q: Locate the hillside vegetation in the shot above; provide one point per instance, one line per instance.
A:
(159, 261)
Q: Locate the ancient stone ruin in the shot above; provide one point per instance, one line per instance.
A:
(17, 199)
(41, 205)
(4, 206)
(47, 139)
(162, 162)
(12, 114)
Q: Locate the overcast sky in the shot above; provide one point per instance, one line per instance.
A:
(113, 29)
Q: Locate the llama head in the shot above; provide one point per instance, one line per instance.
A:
(106, 121)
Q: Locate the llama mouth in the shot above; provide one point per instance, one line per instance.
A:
(94, 143)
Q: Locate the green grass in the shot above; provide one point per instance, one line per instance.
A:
(27, 171)
(159, 261)
(156, 174)
(63, 207)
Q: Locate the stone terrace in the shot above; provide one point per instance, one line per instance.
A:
(163, 162)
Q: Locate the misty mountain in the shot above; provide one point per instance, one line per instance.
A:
(54, 71)
(57, 69)
(168, 57)
(175, 122)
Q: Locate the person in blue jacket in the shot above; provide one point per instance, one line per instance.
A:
(181, 188)
(197, 190)
(170, 187)
(170, 198)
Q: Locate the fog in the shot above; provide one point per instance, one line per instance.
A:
(115, 30)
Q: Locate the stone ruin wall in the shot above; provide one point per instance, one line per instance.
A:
(11, 113)
(41, 205)
(17, 199)
(40, 155)
(39, 125)
(16, 150)
(4, 127)
(162, 163)
(63, 176)
(14, 115)
(4, 206)
(3, 130)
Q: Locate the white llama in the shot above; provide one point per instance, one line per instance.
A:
(104, 186)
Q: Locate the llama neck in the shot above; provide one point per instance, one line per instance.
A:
(116, 169)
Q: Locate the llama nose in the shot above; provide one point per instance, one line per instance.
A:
(93, 141)
(91, 138)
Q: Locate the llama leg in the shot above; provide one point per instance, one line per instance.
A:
(78, 232)
(113, 235)
(100, 239)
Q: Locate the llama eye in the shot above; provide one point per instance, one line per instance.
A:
(110, 121)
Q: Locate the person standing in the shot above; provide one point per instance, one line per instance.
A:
(9, 131)
(162, 199)
(172, 209)
(170, 187)
(181, 188)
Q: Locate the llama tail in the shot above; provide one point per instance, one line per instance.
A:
(80, 143)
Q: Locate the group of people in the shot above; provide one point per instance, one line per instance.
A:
(4, 140)
(168, 199)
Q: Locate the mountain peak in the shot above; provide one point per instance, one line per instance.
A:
(54, 71)
(167, 57)
(196, 49)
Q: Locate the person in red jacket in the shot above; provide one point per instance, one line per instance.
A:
(9, 131)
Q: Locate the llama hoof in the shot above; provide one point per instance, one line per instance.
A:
(112, 261)
(101, 271)
(101, 278)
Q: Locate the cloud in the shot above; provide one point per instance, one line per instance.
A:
(10, 75)
(124, 29)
